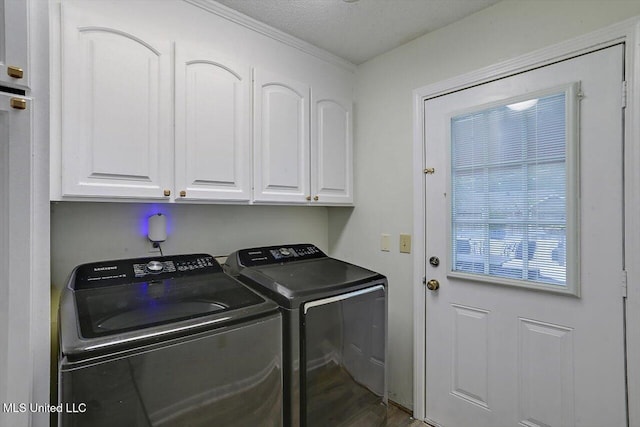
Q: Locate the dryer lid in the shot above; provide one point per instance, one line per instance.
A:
(308, 278)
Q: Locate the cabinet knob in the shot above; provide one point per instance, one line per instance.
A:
(308, 197)
(167, 193)
(316, 198)
(15, 72)
(18, 103)
(183, 193)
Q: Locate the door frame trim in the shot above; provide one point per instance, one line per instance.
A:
(627, 32)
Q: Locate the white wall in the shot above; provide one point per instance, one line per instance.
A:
(383, 136)
(86, 232)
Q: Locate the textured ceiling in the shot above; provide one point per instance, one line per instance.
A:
(357, 31)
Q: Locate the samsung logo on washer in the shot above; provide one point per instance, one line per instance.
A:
(111, 267)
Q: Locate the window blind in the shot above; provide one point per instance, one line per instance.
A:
(509, 191)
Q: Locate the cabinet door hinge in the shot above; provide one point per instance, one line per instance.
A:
(624, 94)
(623, 282)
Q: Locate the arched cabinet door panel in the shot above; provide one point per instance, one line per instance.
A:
(116, 110)
(212, 156)
(331, 149)
(281, 139)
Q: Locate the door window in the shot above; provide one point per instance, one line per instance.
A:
(513, 192)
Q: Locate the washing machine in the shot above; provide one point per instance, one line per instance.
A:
(167, 341)
(334, 332)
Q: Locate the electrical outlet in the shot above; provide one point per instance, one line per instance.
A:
(385, 242)
(405, 243)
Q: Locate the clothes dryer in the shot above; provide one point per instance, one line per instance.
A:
(334, 326)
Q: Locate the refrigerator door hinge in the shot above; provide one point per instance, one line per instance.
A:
(623, 282)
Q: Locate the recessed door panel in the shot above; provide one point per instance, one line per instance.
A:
(125, 150)
(116, 110)
(331, 154)
(281, 130)
(212, 127)
(470, 373)
(545, 374)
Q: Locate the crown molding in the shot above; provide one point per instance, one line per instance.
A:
(273, 33)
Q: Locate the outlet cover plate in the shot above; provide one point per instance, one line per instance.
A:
(405, 243)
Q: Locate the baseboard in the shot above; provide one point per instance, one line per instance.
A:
(402, 408)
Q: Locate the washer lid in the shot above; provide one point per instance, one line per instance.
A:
(308, 279)
(116, 309)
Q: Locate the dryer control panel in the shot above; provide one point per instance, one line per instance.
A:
(278, 254)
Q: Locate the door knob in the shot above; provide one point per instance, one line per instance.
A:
(433, 285)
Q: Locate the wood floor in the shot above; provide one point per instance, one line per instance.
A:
(397, 417)
(336, 399)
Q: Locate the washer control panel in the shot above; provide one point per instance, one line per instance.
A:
(117, 272)
(278, 254)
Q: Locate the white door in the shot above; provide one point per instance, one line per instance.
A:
(15, 254)
(213, 146)
(524, 211)
(281, 139)
(116, 109)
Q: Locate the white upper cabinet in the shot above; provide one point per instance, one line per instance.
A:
(212, 140)
(116, 110)
(281, 139)
(331, 149)
(302, 149)
(161, 103)
(14, 38)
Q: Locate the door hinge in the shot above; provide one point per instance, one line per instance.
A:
(623, 282)
(624, 94)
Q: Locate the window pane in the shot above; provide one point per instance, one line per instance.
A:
(546, 192)
(471, 134)
(508, 180)
(470, 190)
(507, 193)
